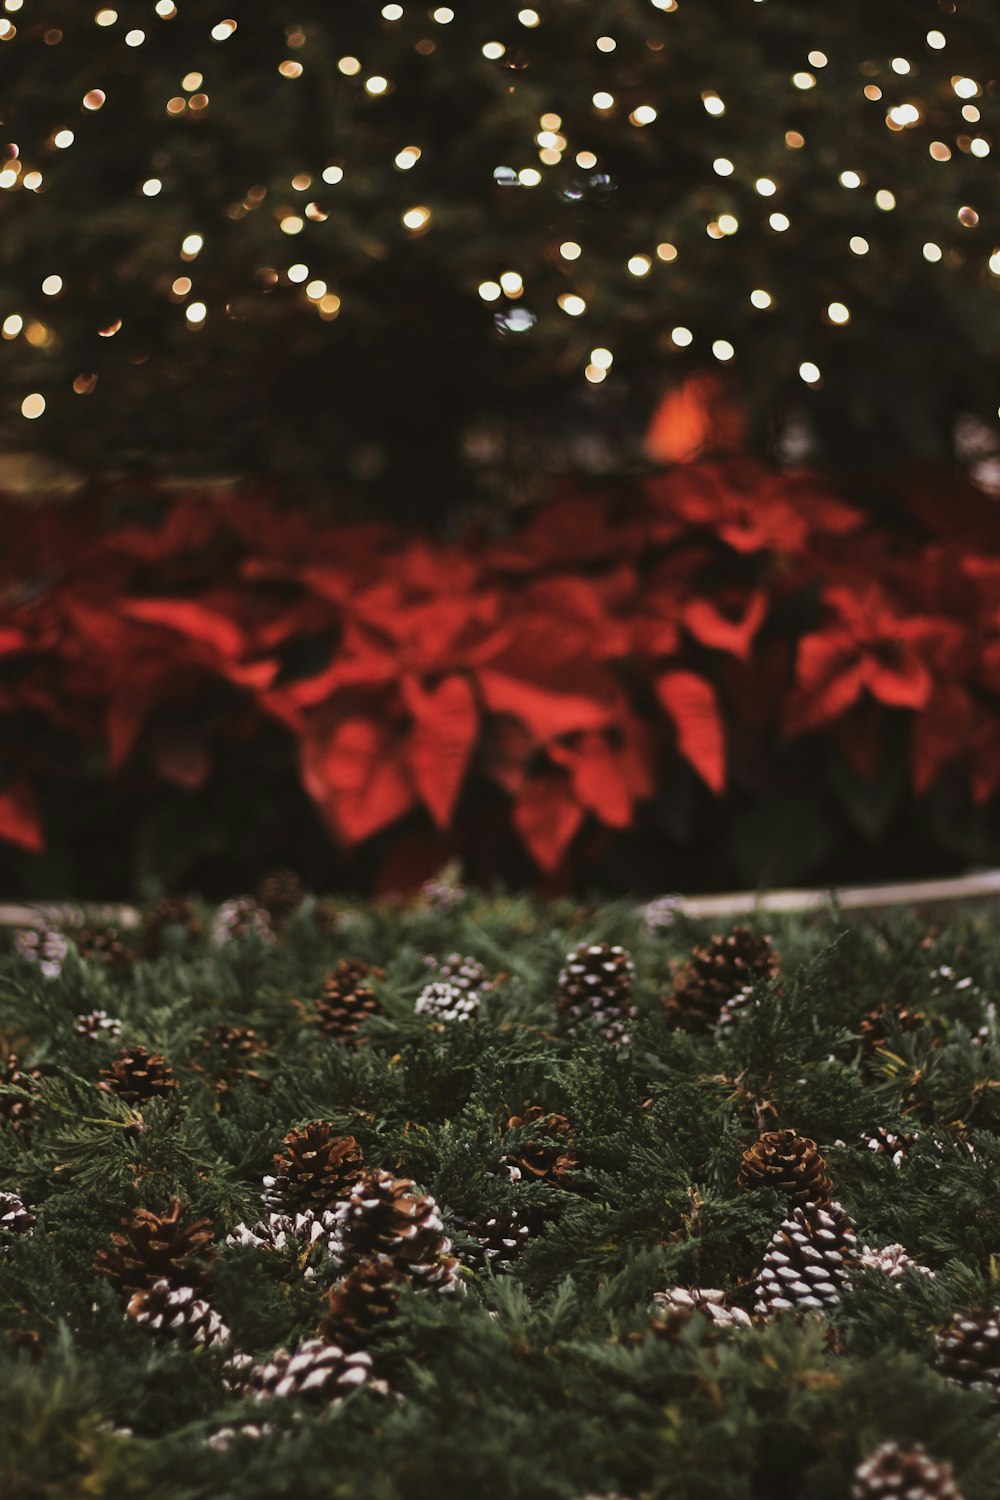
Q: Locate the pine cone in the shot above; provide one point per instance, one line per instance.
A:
(101, 943)
(874, 1025)
(807, 1263)
(14, 1217)
(138, 1076)
(882, 1142)
(232, 1051)
(595, 992)
(544, 1151)
(237, 919)
(891, 1260)
(152, 1247)
(499, 1239)
(347, 1001)
(388, 1217)
(45, 946)
(718, 978)
(16, 1109)
(968, 1350)
(463, 972)
(789, 1163)
(317, 1370)
(305, 1233)
(280, 894)
(365, 1297)
(446, 1002)
(177, 1312)
(97, 1025)
(891, 1473)
(177, 912)
(316, 1171)
(678, 1305)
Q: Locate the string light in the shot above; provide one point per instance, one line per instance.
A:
(603, 100)
(666, 252)
(644, 114)
(376, 84)
(529, 177)
(52, 286)
(601, 358)
(292, 224)
(586, 160)
(817, 59)
(713, 104)
(12, 325)
(900, 65)
(606, 44)
(980, 146)
(151, 187)
(595, 373)
(443, 15)
(529, 18)
(761, 299)
(490, 291)
(572, 304)
(838, 312)
(766, 187)
(804, 80)
(968, 217)
(106, 17)
(723, 166)
(223, 31)
(192, 81)
(417, 218)
(728, 223)
(349, 66)
(965, 88)
(405, 159)
(298, 272)
(196, 312)
(939, 151)
(850, 179)
(809, 372)
(316, 290)
(512, 283)
(334, 173)
(682, 337)
(994, 263)
(936, 39)
(932, 252)
(885, 200)
(62, 139)
(181, 286)
(135, 38)
(570, 250)
(779, 222)
(639, 265)
(859, 245)
(191, 245)
(723, 350)
(392, 12)
(33, 406)
(494, 50)
(94, 99)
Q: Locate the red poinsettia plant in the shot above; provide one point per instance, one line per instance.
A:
(571, 665)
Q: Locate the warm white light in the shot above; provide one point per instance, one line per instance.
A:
(196, 312)
(681, 337)
(838, 312)
(850, 179)
(936, 39)
(723, 349)
(766, 187)
(349, 66)
(965, 88)
(166, 9)
(417, 218)
(572, 304)
(980, 146)
(134, 38)
(760, 298)
(606, 44)
(885, 200)
(900, 65)
(292, 224)
(489, 291)
(512, 283)
(586, 160)
(392, 12)
(904, 114)
(316, 290)
(602, 358)
(191, 246)
(595, 374)
(859, 244)
(713, 104)
(570, 250)
(779, 222)
(603, 100)
(644, 114)
(152, 186)
(106, 17)
(63, 138)
(32, 406)
(52, 286)
(494, 50)
(298, 272)
(728, 223)
(12, 325)
(994, 263)
(723, 166)
(223, 30)
(809, 372)
(817, 59)
(376, 84)
(93, 99)
(333, 175)
(666, 251)
(803, 80)
(443, 15)
(639, 265)
(932, 252)
(529, 18)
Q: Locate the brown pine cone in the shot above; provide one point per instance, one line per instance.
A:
(14, 1217)
(153, 1247)
(875, 1024)
(138, 1076)
(544, 1150)
(882, 1142)
(281, 893)
(316, 1370)
(388, 1217)
(102, 943)
(230, 1054)
(178, 912)
(498, 1238)
(177, 1313)
(595, 992)
(316, 1172)
(789, 1163)
(968, 1350)
(16, 1108)
(892, 1473)
(718, 978)
(365, 1297)
(347, 1000)
(807, 1262)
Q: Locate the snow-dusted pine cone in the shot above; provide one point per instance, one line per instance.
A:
(152, 1247)
(97, 1026)
(789, 1163)
(949, 984)
(718, 978)
(138, 1076)
(894, 1473)
(660, 914)
(14, 1217)
(463, 972)
(314, 1172)
(239, 918)
(386, 1216)
(308, 1234)
(172, 919)
(440, 1001)
(499, 1238)
(16, 1106)
(808, 1261)
(45, 946)
(595, 992)
(281, 894)
(541, 1148)
(680, 1302)
(177, 1313)
(968, 1350)
(361, 1300)
(891, 1260)
(444, 891)
(317, 1370)
(347, 1001)
(882, 1142)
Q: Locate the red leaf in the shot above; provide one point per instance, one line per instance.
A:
(599, 781)
(355, 774)
(693, 706)
(20, 823)
(446, 721)
(711, 627)
(547, 817)
(189, 618)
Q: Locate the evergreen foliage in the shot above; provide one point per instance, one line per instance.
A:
(558, 1372)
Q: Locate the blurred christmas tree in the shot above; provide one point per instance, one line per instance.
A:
(385, 247)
